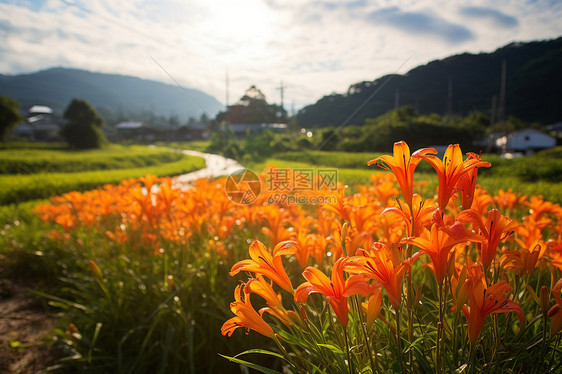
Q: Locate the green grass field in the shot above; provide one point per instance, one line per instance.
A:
(48, 172)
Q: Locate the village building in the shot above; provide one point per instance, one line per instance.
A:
(526, 141)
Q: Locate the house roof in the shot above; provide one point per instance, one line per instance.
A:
(129, 125)
(40, 109)
(526, 138)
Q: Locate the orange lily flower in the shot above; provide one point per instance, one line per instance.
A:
(384, 266)
(484, 301)
(482, 199)
(508, 199)
(495, 229)
(273, 300)
(265, 263)
(422, 214)
(451, 170)
(438, 242)
(372, 308)
(336, 289)
(461, 285)
(523, 261)
(467, 182)
(246, 317)
(403, 166)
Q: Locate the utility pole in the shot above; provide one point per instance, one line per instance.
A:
(450, 96)
(227, 89)
(493, 110)
(281, 89)
(501, 111)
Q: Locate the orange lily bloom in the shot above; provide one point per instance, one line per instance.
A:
(451, 170)
(509, 199)
(372, 308)
(274, 302)
(422, 214)
(482, 199)
(495, 229)
(467, 182)
(523, 261)
(246, 317)
(484, 301)
(265, 263)
(384, 266)
(336, 289)
(437, 244)
(403, 166)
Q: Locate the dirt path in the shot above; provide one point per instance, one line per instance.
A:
(25, 331)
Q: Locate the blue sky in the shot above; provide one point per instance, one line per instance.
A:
(315, 47)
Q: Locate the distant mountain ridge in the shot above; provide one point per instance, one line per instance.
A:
(56, 87)
(533, 88)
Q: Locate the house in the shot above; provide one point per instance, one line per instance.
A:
(526, 141)
(41, 123)
(241, 129)
(136, 131)
(192, 131)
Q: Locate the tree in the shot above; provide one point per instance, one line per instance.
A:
(253, 108)
(9, 115)
(84, 127)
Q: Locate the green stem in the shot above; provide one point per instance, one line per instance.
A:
(349, 363)
(439, 331)
(284, 351)
(399, 340)
(454, 344)
(357, 305)
(471, 358)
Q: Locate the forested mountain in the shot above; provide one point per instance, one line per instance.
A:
(107, 92)
(533, 88)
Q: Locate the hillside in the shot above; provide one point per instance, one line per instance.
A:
(533, 87)
(107, 92)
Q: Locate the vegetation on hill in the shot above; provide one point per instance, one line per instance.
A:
(113, 95)
(533, 77)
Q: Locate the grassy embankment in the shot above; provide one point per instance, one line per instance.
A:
(538, 174)
(31, 172)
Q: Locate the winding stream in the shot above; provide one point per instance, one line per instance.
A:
(216, 166)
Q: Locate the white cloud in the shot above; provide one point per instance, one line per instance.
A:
(315, 47)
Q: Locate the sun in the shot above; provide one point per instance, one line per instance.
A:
(245, 28)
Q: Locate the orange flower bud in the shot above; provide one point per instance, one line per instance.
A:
(544, 299)
(554, 310)
(303, 313)
(95, 269)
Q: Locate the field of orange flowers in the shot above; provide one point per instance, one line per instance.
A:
(391, 278)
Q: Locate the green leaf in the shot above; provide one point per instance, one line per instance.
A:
(414, 343)
(262, 351)
(251, 365)
(461, 368)
(332, 348)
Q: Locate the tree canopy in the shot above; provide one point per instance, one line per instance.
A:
(253, 108)
(9, 115)
(83, 129)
